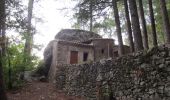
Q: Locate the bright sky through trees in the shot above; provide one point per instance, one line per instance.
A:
(54, 20)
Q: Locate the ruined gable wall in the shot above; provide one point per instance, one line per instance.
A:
(103, 48)
(144, 75)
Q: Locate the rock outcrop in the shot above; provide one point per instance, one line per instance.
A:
(47, 58)
(76, 35)
(140, 76)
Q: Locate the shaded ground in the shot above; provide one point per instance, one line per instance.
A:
(39, 91)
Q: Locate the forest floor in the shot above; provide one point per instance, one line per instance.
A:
(39, 91)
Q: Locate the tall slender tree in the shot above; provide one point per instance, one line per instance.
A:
(165, 20)
(135, 25)
(129, 29)
(2, 24)
(118, 29)
(2, 48)
(154, 36)
(29, 34)
(2, 87)
(91, 15)
(143, 23)
(84, 14)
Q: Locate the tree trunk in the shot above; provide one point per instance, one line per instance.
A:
(143, 22)
(118, 29)
(2, 87)
(135, 25)
(9, 71)
(154, 36)
(2, 48)
(91, 16)
(29, 36)
(129, 29)
(2, 26)
(165, 20)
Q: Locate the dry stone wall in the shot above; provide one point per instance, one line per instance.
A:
(141, 76)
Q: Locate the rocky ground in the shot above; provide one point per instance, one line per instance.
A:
(39, 91)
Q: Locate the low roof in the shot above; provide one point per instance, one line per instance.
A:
(76, 35)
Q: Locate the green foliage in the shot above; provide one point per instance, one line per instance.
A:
(13, 61)
(14, 66)
(16, 18)
(106, 26)
(90, 9)
(41, 69)
(103, 22)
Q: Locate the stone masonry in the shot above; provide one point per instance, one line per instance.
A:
(140, 76)
(73, 46)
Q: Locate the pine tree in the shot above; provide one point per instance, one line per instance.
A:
(135, 25)
(118, 29)
(154, 36)
(2, 48)
(129, 29)
(165, 20)
(143, 23)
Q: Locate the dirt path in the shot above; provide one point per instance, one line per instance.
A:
(39, 91)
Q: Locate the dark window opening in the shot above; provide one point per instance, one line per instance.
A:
(102, 51)
(85, 56)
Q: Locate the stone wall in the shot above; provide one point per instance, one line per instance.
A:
(141, 76)
(59, 52)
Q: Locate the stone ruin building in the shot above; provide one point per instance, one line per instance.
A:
(144, 75)
(73, 46)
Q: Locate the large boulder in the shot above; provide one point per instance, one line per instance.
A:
(76, 35)
(47, 60)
